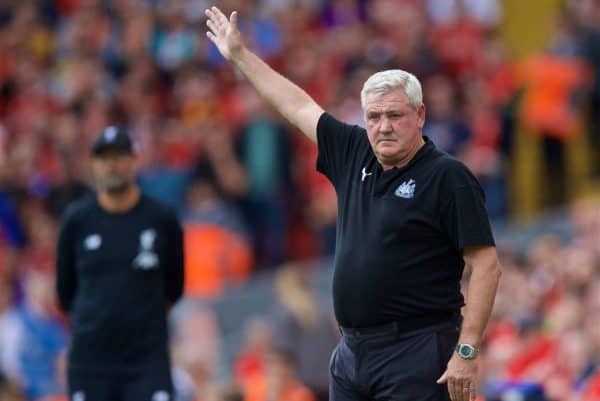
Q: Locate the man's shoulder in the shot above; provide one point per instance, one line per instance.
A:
(343, 138)
(448, 163)
(78, 209)
(327, 122)
(342, 147)
(157, 208)
(453, 172)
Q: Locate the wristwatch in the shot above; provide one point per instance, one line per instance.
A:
(466, 351)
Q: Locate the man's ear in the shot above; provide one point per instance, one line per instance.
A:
(421, 116)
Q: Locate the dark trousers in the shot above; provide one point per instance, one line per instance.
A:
(150, 383)
(387, 364)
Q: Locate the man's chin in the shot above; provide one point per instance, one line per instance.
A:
(388, 154)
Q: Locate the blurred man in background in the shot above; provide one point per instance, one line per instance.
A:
(410, 218)
(32, 337)
(119, 270)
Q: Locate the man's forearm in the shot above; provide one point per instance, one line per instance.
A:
(480, 300)
(288, 98)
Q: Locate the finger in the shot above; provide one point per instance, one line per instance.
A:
(454, 387)
(473, 394)
(213, 28)
(210, 14)
(463, 390)
(442, 379)
(233, 19)
(451, 389)
(212, 37)
(219, 14)
(214, 18)
(466, 391)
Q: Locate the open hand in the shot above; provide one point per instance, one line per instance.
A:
(224, 33)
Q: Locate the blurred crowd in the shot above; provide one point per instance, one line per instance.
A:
(244, 181)
(544, 336)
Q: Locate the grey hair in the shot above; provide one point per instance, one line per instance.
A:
(384, 81)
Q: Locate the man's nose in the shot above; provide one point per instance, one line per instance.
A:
(385, 126)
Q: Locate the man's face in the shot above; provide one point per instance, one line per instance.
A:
(393, 125)
(114, 170)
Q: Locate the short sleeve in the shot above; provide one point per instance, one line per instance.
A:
(464, 216)
(338, 143)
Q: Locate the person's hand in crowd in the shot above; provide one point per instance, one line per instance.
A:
(224, 33)
(220, 152)
(461, 377)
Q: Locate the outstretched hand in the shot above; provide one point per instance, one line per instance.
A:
(224, 32)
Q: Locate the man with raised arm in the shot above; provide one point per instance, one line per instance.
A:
(410, 217)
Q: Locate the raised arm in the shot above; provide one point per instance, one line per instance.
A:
(289, 99)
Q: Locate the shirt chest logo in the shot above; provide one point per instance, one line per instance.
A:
(78, 396)
(146, 258)
(110, 134)
(406, 190)
(365, 174)
(161, 395)
(92, 242)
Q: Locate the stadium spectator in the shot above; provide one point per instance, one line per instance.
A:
(196, 351)
(258, 341)
(217, 253)
(443, 124)
(32, 337)
(279, 381)
(303, 329)
(230, 393)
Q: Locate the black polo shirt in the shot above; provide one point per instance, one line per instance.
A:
(116, 274)
(400, 232)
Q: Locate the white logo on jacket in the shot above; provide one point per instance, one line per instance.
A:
(147, 258)
(78, 396)
(161, 395)
(92, 242)
(110, 133)
(406, 189)
(365, 174)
